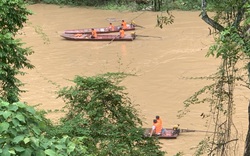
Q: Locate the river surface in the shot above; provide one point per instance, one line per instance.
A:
(160, 63)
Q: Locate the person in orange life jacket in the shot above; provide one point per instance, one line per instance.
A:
(122, 34)
(159, 120)
(163, 130)
(156, 129)
(124, 24)
(93, 33)
(111, 27)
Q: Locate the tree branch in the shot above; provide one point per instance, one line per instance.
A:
(240, 13)
(208, 20)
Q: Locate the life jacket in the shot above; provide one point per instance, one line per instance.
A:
(122, 34)
(94, 33)
(160, 122)
(124, 25)
(157, 128)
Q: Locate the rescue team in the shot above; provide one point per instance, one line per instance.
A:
(157, 128)
(111, 28)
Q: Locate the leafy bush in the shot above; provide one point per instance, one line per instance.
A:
(13, 14)
(99, 109)
(22, 132)
(128, 4)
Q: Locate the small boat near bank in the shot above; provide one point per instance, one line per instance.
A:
(169, 133)
(130, 27)
(100, 37)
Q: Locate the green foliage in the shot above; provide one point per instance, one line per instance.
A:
(183, 4)
(232, 46)
(65, 2)
(72, 2)
(99, 109)
(164, 20)
(198, 97)
(246, 29)
(247, 18)
(11, 21)
(202, 147)
(179, 154)
(228, 13)
(120, 7)
(156, 5)
(22, 133)
(13, 58)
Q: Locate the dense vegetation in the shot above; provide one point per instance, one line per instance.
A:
(231, 23)
(156, 5)
(23, 133)
(100, 110)
(100, 119)
(13, 56)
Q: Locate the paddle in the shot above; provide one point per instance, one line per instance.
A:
(135, 25)
(192, 130)
(149, 36)
(113, 39)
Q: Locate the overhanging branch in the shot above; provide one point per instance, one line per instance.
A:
(208, 20)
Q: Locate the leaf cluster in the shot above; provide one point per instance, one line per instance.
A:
(164, 20)
(13, 15)
(230, 45)
(22, 132)
(13, 57)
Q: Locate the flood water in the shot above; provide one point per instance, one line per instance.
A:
(160, 63)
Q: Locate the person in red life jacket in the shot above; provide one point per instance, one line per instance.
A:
(122, 33)
(93, 33)
(124, 24)
(156, 129)
(111, 27)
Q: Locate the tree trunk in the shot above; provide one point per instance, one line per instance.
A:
(157, 5)
(247, 143)
(247, 146)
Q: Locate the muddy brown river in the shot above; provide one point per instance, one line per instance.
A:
(161, 65)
